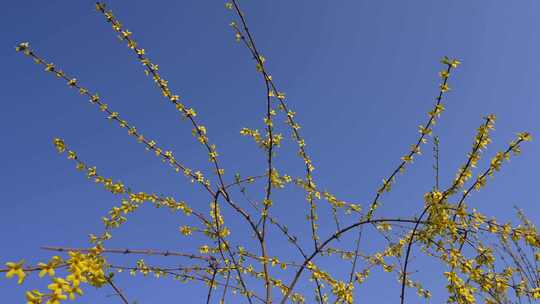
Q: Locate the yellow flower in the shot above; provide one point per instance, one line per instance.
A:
(455, 63)
(55, 298)
(95, 98)
(190, 113)
(34, 297)
(76, 278)
(525, 136)
(22, 47)
(126, 33)
(49, 67)
(444, 74)
(72, 155)
(72, 290)
(444, 87)
(16, 269)
(204, 249)
(46, 269)
(60, 145)
(186, 230)
(58, 286)
(536, 293)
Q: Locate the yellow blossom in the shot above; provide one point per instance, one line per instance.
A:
(16, 269)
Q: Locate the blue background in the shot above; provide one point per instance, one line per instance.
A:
(361, 75)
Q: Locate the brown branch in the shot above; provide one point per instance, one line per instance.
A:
(133, 251)
(211, 285)
(118, 291)
(335, 236)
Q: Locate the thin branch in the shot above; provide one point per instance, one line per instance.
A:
(133, 251)
(118, 291)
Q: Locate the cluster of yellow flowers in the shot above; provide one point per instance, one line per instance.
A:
(81, 268)
(341, 290)
(114, 188)
(131, 203)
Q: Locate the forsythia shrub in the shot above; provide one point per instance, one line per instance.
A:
(499, 266)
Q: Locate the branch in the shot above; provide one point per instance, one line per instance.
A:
(118, 291)
(133, 251)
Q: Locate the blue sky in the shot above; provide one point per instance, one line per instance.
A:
(361, 75)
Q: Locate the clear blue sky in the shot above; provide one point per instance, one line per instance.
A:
(361, 75)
